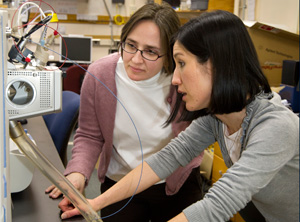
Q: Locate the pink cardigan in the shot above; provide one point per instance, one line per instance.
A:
(94, 135)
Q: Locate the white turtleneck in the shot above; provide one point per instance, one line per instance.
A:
(145, 102)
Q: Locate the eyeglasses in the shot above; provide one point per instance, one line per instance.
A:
(146, 54)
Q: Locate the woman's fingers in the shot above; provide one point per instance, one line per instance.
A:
(65, 205)
(49, 189)
(55, 193)
(68, 209)
(70, 213)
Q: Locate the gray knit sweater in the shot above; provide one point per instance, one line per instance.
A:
(266, 173)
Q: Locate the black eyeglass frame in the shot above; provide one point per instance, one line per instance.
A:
(142, 51)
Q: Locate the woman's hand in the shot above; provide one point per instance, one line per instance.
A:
(69, 210)
(125, 188)
(77, 179)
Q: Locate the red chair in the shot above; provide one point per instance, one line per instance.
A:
(73, 80)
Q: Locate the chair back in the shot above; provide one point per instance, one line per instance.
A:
(62, 124)
(74, 78)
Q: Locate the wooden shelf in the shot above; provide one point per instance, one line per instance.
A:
(72, 18)
(186, 15)
(189, 13)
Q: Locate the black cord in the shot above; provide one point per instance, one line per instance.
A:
(38, 25)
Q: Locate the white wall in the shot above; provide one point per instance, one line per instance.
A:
(283, 14)
(95, 7)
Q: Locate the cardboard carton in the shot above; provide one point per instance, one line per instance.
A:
(273, 45)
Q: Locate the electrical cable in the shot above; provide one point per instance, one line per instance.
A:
(22, 40)
(20, 11)
(42, 13)
(38, 25)
(119, 20)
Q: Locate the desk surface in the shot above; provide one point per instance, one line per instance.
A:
(32, 204)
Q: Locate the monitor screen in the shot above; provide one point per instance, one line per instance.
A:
(79, 49)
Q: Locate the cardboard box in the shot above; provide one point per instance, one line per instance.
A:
(206, 164)
(273, 45)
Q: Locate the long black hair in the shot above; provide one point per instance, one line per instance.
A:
(222, 38)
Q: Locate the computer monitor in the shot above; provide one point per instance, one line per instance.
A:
(79, 49)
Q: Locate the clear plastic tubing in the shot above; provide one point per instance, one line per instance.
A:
(25, 144)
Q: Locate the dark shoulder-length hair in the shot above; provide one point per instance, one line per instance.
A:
(167, 20)
(222, 38)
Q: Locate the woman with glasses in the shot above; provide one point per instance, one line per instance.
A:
(222, 85)
(140, 76)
